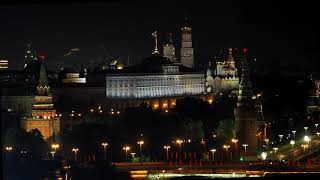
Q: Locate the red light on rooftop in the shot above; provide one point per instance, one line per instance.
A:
(244, 50)
(42, 56)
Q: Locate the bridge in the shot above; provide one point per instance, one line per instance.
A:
(243, 169)
(298, 151)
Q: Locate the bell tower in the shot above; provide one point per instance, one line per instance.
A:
(187, 58)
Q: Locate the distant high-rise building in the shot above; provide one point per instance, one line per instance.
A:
(313, 102)
(44, 117)
(245, 113)
(187, 58)
(4, 64)
(169, 49)
(29, 55)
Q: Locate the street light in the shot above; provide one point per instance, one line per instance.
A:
(304, 146)
(132, 154)
(275, 150)
(167, 149)
(292, 142)
(264, 155)
(305, 128)
(280, 136)
(226, 147)
(213, 150)
(178, 141)
(75, 150)
(126, 148)
(294, 133)
(316, 126)
(54, 147)
(245, 149)
(52, 153)
(235, 146)
(140, 144)
(8, 148)
(105, 144)
(318, 133)
(307, 139)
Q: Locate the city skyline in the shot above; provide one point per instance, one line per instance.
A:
(123, 29)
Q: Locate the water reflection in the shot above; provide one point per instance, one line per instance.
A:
(195, 176)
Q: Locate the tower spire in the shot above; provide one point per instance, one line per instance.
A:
(230, 61)
(245, 112)
(155, 51)
(245, 87)
(170, 38)
(43, 85)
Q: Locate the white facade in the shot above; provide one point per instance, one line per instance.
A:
(154, 85)
(169, 52)
(187, 58)
(73, 78)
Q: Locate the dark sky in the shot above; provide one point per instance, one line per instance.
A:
(277, 34)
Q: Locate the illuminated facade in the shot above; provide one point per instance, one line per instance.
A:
(169, 50)
(44, 117)
(246, 114)
(168, 81)
(187, 58)
(68, 75)
(313, 102)
(225, 76)
(29, 55)
(4, 64)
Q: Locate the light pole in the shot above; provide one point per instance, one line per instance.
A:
(235, 146)
(226, 147)
(264, 155)
(294, 133)
(126, 148)
(275, 150)
(140, 145)
(179, 142)
(292, 142)
(280, 136)
(213, 151)
(75, 150)
(305, 128)
(316, 126)
(105, 144)
(54, 147)
(8, 148)
(307, 139)
(304, 146)
(132, 155)
(167, 149)
(245, 149)
(318, 133)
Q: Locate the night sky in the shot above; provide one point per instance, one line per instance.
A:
(276, 34)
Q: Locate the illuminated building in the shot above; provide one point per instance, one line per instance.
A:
(169, 50)
(44, 117)
(70, 76)
(4, 64)
(29, 55)
(225, 76)
(313, 103)
(245, 112)
(155, 77)
(187, 58)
